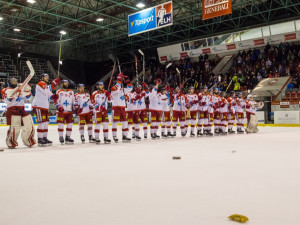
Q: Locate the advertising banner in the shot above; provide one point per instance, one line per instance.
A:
(215, 8)
(149, 19)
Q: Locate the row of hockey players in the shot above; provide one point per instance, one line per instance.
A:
(128, 108)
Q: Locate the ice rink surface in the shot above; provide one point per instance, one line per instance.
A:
(138, 183)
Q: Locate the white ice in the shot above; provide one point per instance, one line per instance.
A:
(138, 183)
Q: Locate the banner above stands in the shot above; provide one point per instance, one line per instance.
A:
(194, 49)
(215, 8)
(150, 19)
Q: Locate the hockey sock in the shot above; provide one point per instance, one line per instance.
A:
(40, 130)
(137, 129)
(105, 129)
(81, 129)
(97, 130)
(46, 129)
(145, 128)
(69, 129)
(60, 129)
(90, 129)
(114, 129)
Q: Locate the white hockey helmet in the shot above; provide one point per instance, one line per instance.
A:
(250, 97)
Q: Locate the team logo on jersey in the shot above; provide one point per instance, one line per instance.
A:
(164, 14)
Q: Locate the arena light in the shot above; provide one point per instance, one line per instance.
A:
(31, 1)
(140, 5)
(1, 18)
(63, 32)
(60, 62)
(99, 19)
(17, 30)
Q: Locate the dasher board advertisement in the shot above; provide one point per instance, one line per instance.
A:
(150, 19)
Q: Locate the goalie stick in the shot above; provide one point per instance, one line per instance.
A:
(20, 89)
(144, 69)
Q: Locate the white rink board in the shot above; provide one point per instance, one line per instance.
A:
(140, 184)
(286, 117)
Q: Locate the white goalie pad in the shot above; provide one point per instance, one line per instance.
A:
(28, 131)
(252, 126)
(13, 133)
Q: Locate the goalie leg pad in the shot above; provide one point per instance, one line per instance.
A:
(14, 131)
(28, 131)
(252, 126)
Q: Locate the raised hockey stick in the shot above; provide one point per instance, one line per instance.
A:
(136, 67)
(144, 69)
(113, 70)
(170, 64)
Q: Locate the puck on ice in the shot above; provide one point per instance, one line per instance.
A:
(176, 157)
(233, 151)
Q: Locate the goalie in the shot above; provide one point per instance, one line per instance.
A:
(16, 116)
(251, 107)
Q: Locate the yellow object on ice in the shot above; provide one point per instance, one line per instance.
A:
(238, 218)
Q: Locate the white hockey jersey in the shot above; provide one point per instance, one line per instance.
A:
(179, 103)
(43, 93)
(118, 95)
(83, 101)
(141, 105)
(155, 100)
(99, 98)
(17, 101)
(131, 102)
(250, 107)
(192, 98)
(65, 99)
(166, 102)
(240, 105)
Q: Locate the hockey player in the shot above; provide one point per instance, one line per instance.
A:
(231, 113)
(118, 93)
(132, 114)
(178, 112)
(217, 119)
(64, 104)
(193, 104)
(40, 105)
(210, 112)
(166, 113)
(239, 109)
(251, 107)
(16, 116)
(224, 110)
(100, 99)
(141, 108)
(203, 114)
(155, 108)
(84, 112)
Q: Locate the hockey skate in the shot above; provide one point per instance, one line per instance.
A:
(91, 139)
(82, 139)
(153, 136)
(138, 138)
(240, 131)
(116, 139)
(97, 141)
(169, 134)
(156, 136)
(174, 134)
(125, 139)
(230, 131)
(69, 141)
(107, 141)
(192, 134)
(42, 142)
(145, 136)
(61, 140)
(163, 135)
(223, 133)
(199, 133)
(49, 143)
(133, 136)
(209, 133)
(217, 132)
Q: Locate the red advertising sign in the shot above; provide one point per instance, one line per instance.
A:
(206, 50)
(163, 58)
(231, 46)
(183, 54)
(259, 42)
(289, 36)
(215, 8)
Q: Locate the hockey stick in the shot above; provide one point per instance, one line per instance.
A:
(144, 69)
(114, 68)
(167, 66)
(229, 85)
(19, 89)
(136, 67)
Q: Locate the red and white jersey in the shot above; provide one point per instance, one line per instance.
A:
(141, 105)
(216, 100)
(65, 99)
(83, 101)
(224, 105)
(204, 99)
(240, 105)
(131, 102)
(118, 95)
(250, 108)
(99, 98)
(165, 102)
(155, 100)
(17, 101)
(43, 93)
(232, 104)
(192, 99)
(179, 103)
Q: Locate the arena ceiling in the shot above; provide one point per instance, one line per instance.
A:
(86, 38)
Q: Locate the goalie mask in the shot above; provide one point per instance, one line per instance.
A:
(13, 82)
(250, 97)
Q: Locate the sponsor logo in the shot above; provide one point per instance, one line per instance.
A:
(290, 36)
(215, 8)
(259, 42)
(164, 14)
